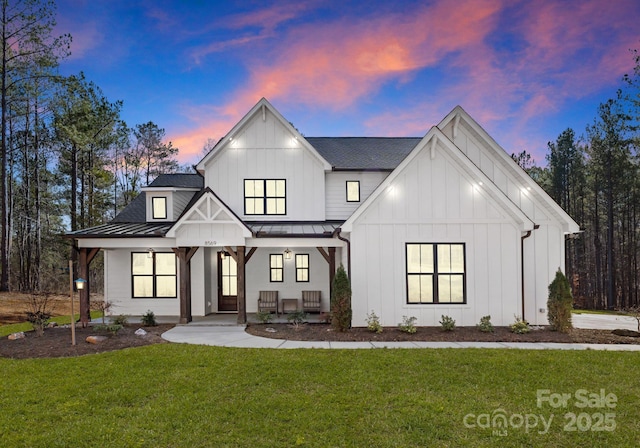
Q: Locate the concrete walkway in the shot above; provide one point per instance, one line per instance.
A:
(235, 336)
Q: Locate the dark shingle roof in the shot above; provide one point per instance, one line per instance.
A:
(364, 153)
(136, 211)
(179, 180)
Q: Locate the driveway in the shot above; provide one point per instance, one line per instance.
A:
(604, 322)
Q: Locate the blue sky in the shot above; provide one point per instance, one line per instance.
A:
(525, 70)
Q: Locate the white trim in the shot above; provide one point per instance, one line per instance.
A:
(260, 106)
(208, 196)
(570, 226)
(488, 187)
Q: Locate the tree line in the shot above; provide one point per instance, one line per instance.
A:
(68, 159)
(595, 178)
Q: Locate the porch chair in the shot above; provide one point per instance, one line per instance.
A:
(268, 301)
(311, 301)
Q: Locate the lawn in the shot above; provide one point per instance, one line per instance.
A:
(173, 395)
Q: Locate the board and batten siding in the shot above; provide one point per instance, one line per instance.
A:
(336, 195)
(544, 250)
(118, 284)
(433, 201)
(268, 150)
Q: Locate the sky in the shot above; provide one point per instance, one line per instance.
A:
(525, 70)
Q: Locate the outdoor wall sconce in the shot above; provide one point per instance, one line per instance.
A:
(287, 254)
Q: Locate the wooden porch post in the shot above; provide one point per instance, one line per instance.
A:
(332, 268)
(85, 257)
(242, 298)
(184, 255)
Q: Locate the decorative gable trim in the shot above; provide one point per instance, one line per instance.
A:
(209, 209)
(260, 109)
(434, 139)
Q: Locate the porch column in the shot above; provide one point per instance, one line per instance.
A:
(332, 268)
(242, 298)
(184, 255)
(85, 257)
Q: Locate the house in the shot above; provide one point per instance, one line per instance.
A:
(446, 224)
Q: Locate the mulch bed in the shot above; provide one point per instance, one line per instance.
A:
(323, 332)
(56, 342)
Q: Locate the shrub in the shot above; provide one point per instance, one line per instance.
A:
(520, 326)
(297, 318)
(373, 323)
(149, 319)
(447, 323)
(39, 311)
(264, 317)
(485, 324)
(112, 328)
(341, 301)
(560, 303)
(408, 325)
(121, 320)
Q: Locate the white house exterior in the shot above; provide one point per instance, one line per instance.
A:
(444, 224)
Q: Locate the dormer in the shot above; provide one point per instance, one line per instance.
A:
(168, 196)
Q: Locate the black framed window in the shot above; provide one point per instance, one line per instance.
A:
(159, 207)
(302, 267)
(436, 273)
(265, 197)
(276, 268)
(153, 275)
(353, 191)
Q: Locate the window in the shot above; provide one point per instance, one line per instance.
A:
(159, 207)
(153, 276)
(265, 197)
(436, 273)
(353, 191)
(302, 268)
(276, 267)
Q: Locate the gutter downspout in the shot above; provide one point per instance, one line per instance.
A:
(337, 233)
(522, 238)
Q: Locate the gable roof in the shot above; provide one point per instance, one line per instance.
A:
(434, 137)
(192, 210)
(364, 153)
(458, 115)
(260, 108)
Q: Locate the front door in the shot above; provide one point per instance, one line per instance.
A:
(227, 283)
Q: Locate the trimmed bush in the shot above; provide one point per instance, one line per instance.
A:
(485, 324)
(341, 301)
(447, 323)
(149, 319)
(560, 303)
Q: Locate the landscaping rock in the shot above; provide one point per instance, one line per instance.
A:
(140, 332)
(628, 333)
(52, 324)
(14, 336)
(270, 330)
(96, 339)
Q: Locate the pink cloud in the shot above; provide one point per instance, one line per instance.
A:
(85, 35)
(558, 55)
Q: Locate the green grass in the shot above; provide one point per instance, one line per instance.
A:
(6, 330)
(175, 395)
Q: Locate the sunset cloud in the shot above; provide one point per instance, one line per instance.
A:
(504, 62)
